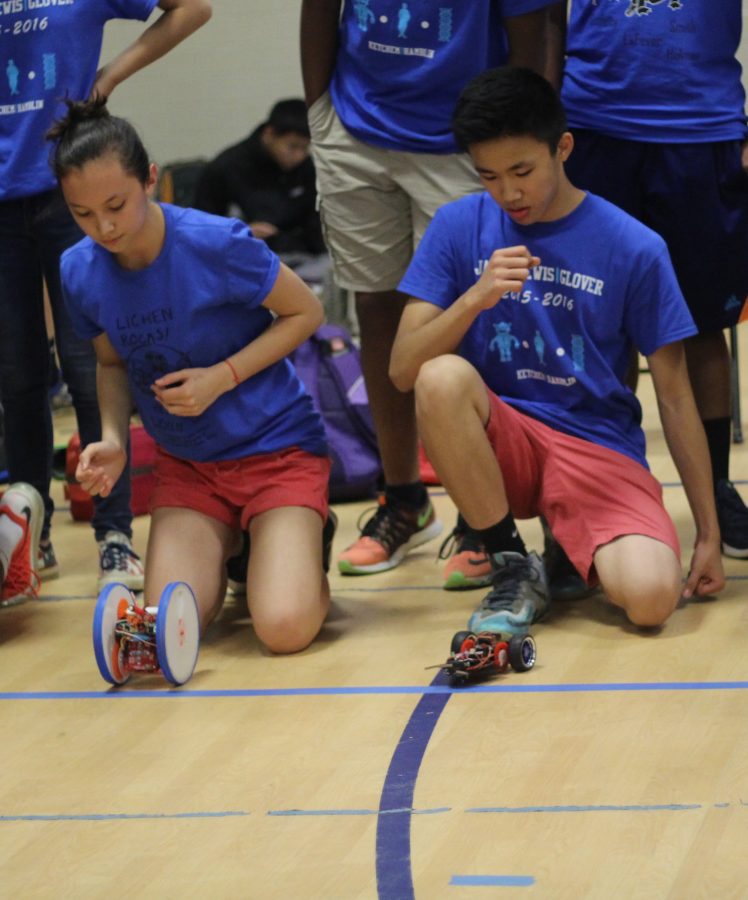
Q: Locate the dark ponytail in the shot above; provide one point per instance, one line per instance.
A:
(88, 132)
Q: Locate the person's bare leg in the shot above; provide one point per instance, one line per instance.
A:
(393, 411)
(642, 576)
(708, 360)
(287, 591)
(185, 545)
(452, 409)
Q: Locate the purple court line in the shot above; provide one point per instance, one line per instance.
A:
(393, 865)
(434, 688)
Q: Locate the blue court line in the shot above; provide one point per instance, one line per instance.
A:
(393, 866)
(405, 812)
(492, 880)
(358, 812)
(638, 807)
(379, 690)
(108, 817)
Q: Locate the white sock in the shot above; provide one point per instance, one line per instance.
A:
(11, 536)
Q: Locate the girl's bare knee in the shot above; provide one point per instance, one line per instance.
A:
(288, 630)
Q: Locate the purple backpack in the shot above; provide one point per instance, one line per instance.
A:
(330, 368)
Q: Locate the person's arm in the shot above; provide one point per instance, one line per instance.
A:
(189, 392)
(319, 45)
(686, 441)
(179, 19)
(534, 41)
(102, 462)
(426, 331)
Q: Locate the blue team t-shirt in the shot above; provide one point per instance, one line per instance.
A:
(559, 349)
(401, 66)
(50, 50)
(198, 302)
(656, 70)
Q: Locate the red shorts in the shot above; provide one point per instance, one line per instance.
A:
(236, 490)
(588, 494)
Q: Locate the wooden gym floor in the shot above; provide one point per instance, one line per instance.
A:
(618, 767)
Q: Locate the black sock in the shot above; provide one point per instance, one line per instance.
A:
(718, 438)
(502, 537)
(414, 494)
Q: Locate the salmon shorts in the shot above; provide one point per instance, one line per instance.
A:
(234, 491)
(589, 494)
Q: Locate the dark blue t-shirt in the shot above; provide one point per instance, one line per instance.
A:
(401, 66)
(50, 50)
(197, 303)
(656, 70)
(558, 351)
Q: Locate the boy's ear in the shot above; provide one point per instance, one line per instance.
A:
(565, 146)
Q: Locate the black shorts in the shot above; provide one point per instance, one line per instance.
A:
(695, 196)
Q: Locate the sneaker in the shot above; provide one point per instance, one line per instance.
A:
(119, 563)
(23, 505)
(732, 515)
(46, 564)
(564, 582)
(469, 566)
(518, 597)
(390, 533)
(236, 566)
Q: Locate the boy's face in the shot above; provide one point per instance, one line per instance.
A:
(523, 177)
(288, 150)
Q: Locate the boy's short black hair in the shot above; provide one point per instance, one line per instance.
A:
(508, 102)
(289, 117)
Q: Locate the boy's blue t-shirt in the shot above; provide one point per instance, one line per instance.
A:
(650, 70)
(51, 50)
(197, 303)
(558, 351)
(401, 66)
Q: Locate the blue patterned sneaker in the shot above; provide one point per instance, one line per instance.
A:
(519, 595)
(119, 563)
(23, 505)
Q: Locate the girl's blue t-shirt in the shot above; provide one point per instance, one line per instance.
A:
(661, 71)
(401, 66)
(559, 349)
(51, 51)
(197, 303)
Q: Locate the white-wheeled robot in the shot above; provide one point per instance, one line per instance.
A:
(132, 639)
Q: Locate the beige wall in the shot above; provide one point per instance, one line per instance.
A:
(212, 89)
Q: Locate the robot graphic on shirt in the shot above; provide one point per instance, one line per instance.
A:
(504, 340)
(644, 7)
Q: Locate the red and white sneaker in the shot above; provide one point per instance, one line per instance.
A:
(23, 504)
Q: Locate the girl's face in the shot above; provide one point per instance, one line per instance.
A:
(109, 204)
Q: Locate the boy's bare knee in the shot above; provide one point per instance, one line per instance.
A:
(652, 606)
(440, 383)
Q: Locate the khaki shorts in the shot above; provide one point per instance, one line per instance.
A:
(375, 204)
